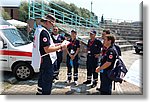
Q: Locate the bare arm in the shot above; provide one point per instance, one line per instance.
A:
(104, 66)
(49, 49)
(67, 52)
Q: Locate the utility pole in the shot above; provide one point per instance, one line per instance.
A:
(91, 13)
(91, 6)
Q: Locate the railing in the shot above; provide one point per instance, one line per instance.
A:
(37, 9)
(66, 20)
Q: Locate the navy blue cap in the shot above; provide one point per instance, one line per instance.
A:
(93, 32)
(74, 31)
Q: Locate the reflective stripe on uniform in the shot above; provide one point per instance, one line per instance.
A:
(39, 90)
(76, 75)
(89, 77)
(95, 79)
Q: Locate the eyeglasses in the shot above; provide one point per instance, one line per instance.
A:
(52, 22)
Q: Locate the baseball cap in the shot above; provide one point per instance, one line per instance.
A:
(93, 32)
(49, 18)
(74, 31)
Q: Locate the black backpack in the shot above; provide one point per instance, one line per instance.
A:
(119, 71)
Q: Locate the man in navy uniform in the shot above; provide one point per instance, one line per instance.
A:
(44, 54)
(93, 49)
(72, 57)
(57, 38)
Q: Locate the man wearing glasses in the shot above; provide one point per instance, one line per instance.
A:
(58, 39)
(44, 54)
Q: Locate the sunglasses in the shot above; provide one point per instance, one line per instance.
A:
(52, 22)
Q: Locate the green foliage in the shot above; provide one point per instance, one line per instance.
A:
(73, 8)
(23, 11)
(5, 15)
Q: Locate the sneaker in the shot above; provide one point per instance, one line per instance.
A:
(67, 81)
(57, 78)
(53, 81)
(93, 85)
(76, 82)
(87, 82)
(98, 89)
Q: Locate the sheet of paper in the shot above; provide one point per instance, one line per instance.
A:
(65, 42)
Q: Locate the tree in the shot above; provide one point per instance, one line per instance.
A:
(23, 11)
(5, 15)
(71, 7)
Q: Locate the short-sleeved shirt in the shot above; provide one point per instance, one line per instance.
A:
(94, 47)
(118, 49)
(59, 39)
(44, 41)
(72, 47)
(109, 56)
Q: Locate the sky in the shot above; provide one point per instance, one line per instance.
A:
(121, 10)
(112, 9)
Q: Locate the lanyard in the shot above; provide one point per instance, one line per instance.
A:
(73, 42)
(104, 50)
(91, 43)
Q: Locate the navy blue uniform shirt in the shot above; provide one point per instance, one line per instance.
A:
(74, 44)
(94, 47)
(44, 41)
(60, 39)
(109, 56)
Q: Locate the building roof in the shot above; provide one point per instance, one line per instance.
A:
(10, 3)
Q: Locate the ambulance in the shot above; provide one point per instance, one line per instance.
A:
(15, 52)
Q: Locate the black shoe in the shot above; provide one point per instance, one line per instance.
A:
(57, 78)
(53, 81)
(68, 81)
(87, 82)
(94, 84)
(98, 89)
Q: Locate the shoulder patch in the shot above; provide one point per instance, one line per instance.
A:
(44, 39)
(110, 56)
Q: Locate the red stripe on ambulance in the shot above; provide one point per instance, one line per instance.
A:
(15, 53)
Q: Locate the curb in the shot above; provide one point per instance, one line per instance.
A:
(12, 80)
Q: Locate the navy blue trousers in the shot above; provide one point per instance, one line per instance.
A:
(57, 64)
(45, 77)
(106, 84)
(92, 64)
(75, 66)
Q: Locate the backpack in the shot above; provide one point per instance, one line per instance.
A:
(119, 71)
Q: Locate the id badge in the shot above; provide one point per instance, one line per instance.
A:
(89, 51)
(72, 51)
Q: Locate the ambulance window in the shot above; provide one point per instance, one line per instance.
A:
(15, 37)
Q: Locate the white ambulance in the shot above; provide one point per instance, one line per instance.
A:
(15, 52)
